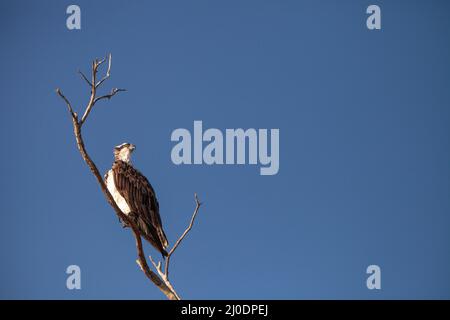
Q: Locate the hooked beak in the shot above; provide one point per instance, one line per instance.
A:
(132, 147)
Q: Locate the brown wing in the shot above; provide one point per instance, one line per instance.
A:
(141, 198)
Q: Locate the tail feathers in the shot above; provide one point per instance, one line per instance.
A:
(153, 239)
(164, 243)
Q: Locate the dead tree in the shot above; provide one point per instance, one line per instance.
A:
(160, 278)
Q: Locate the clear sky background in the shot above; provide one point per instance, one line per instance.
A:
(364, 125)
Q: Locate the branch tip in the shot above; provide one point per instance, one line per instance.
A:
(85, 78)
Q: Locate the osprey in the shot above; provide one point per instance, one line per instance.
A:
(136, 198)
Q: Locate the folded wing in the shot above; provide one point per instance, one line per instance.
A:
(141, 198)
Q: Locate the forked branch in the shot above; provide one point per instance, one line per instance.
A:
(175, 246)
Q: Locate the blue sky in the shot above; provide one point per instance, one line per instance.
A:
(364, 147)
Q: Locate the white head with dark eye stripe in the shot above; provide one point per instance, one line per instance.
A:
(123, 152)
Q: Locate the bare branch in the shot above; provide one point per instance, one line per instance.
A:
(110, 95)
(94, 85)
(107, 72)
(161, 280)
(85, 79)
(69, 106)
(175, 246)
(100, 62)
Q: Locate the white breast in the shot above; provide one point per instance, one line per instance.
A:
(120, 201)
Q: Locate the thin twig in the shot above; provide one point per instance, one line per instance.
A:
(69, 106)
(93, 92)
(175, 246)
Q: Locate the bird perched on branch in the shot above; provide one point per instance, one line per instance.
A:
(134, 195)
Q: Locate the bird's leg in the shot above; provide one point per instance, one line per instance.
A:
(123, 223)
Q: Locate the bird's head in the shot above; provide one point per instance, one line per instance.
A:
(123, 152)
